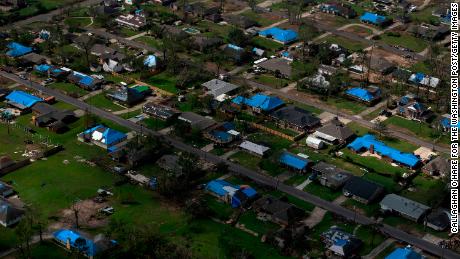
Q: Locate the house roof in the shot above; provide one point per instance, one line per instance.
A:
(17, 49)
(8, 212)
(404, 253)
(221, 187)
(105, 135)
(100, 49)
(22, 99)
(281, 35)
(332, 172)
(91, 248)
(404, 206)
(35, 58)
(159, 110)
(6, 161)
(361, 93)
(263, 102)
(362, 188)
(296, 116)
(334, 130)
(278, 209)
(253, 147)
(368, 140)
(4, 188)
(218, 87)
(277, 64)
(150, 61)
(293, 160)
(438, 164)
(373, 18)
(196, 120)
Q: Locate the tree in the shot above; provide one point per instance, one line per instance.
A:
(380, 127)
(252, 4)
(24, 232)
(294, 8)
(306, 34)
(236, 36)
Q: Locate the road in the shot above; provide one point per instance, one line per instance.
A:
(400, 135)
(47, 17)
(238, 169)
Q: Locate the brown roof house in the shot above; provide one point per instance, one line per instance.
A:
(437, 167)
(334, 133)
(278, 211)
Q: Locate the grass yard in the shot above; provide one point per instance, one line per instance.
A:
(78, 21)
(296, 180)
(322, 191)
(406, 41)
(250, 221)
(271, 80)
(213, 29)
(424, 185)
(275, 143)
(128, 32)
(369, 209)
(149, 40)
(102, 102)
(155, 124)
(347, 43)
(266, 44)
(422, 130)
(246, 159)
(260, 19)
(68, 88)
(164, 81)
(346, 105)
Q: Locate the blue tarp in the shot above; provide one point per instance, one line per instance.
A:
(249, 192)
(23, 99)
(109, 136)
(365, 142)
(373, 18)
(404, 253)
(294, 161)
(284, 36)
(17, 49)
(263, 102)
(84, 79)
(237, 48)
(150, 61)
(361, 94)
(417, 78)
(65, 235)
(217, 187)
(43, 68)
(221, 135)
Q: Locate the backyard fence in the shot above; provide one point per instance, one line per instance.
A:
(127, 78)
(277, 133)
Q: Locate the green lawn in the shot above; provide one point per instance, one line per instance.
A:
(155, 124)
(271, 80)
(275, 143)
(260, 19)
(266, 44)
(128, 32)
(349, 106)
(406, 41)
(78, 21)
(213, 29)
(149, 40)
(246, 159)
(424, 185)
(68, 88)
(250, 221)
(164, 81)
(102, 102)
(322, 191)
(347, 43)
(422, 130)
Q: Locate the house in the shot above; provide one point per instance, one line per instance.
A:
(444, 13)
(223, 133)
(375, 19)
(5, 190)
(104, 137)
(100, 49)
(278, 211)
(9, 215)
(170, 163)
(133, 21)
(424, 80)
(369, 96)
(50, 71)
(196, 121)
(34, 59)
(362, 190)
(295, 118)
(437, 167)
(314, 143)
(279, 35)
(84, 81)
(293, 161)
(438, 220)
(404, 253)
(339, 9)
(382, 66)
(407, 208)
(110, 7)
(259, 102)
(280, 67)
(410, 108)
(340, 242)
(234, 52)
(113, 62)
(444, 123)
(51, 118)
(327, 70)
(126, 95)
(159, 111)
(22, 100)
(202, 43)
(330, 176)
(219, 89)
(253, 148)
(335, 132)
(237, 196)
(429, 32)
(240, 21)
(73, 240)
(16, 50)
(318, 83)
(369, 143)
(151, 62)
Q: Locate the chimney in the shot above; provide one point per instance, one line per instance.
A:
(371, 149)
(68, 244)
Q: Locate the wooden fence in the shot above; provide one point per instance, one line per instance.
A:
(277, 133)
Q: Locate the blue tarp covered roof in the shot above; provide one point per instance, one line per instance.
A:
(263, 102)
(150, 61)
(217, 187)
(294, 161)
(445, 122)
(23, 99)
(417, 78)
(43, 68)
(382, 149)
(84, 79)
(360, 93)
(404, 253)
(278, 34)
(373, 18)
(65, 235)
(17, 49)
(237, 48)
(109, 136)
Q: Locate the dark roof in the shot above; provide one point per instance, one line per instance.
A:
(337, 130)
(297, 116)
(439, 165)
(360, 187)
(240, 21)
(279, 210)
(203, 42)
(8, 212)
(277, 64)
(35, 58)
(43, 108)
(6, 161)
(196, 120)
(439, 218)
(169, 163)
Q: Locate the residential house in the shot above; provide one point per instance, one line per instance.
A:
(424, 80)
(51, 71)
(362, 190)
(22, 100)
(159, 111)
(438, 220)
(5, 190)
(369, 95)
(100, 49)
(253, 148)
(278, 211)
(382, 66)
(279, 35)
(126, 95)
(113, 62)
(341, 243)
(338, 8)
(404, 253)
(133, 21)
(219, 89)
(9, 214)
(223, 133)
(170, 163)
(104, 137)
(409, 107)
(259, 103)
(280, 67)
(202, 43)
(335, 132)
(110, 7)
(16, 50)
(6, 162)
(294, 161)
(375, 19)
(429, 32)
(437, 167)
(444, 123)
(330, 176)
(86, 82)
(196, 121)
(72, 240)
(52, 118)
(152, 62)
(369, 143)
(444, 13)
(34, 59)
(295, 118)
(315, 143)
(404, 207)
(234, 52)
(237, 196)
(240, 21)
(327, 70)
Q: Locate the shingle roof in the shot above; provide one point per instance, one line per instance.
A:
(296, 116)
(334, 130)
(8, 212)
(218, 87)
(196, 120)
(404, 206)
(253, 147)
(362, 188)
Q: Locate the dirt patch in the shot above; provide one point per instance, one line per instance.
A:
(5, 82)
(328, 20)
(233, 6)
(378, 53)
(358, 30)
(88, 215)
